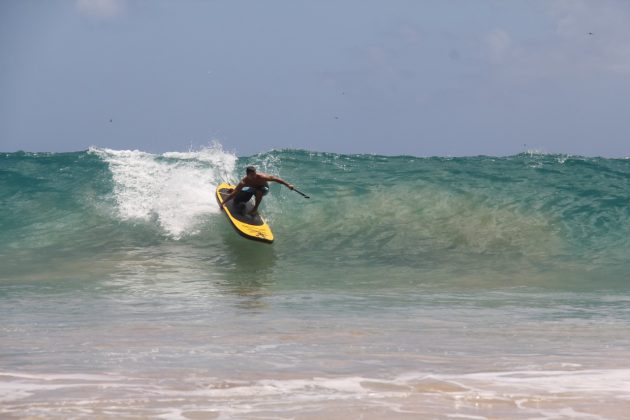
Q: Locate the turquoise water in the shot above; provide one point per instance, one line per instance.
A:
(405, 287)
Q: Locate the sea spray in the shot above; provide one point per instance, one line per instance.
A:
(173, 188)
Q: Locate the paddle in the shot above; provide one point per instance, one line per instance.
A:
(300, 192)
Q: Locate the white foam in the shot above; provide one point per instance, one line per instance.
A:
(591, 382)
(515, 383)
(16, 386)
(546, 394)
(175, 188)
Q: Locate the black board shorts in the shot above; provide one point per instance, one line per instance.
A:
(248, 192)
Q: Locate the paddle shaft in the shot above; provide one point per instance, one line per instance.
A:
(301, 193)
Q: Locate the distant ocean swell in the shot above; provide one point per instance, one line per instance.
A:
(532, 213)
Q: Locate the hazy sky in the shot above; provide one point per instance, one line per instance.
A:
(352, 76)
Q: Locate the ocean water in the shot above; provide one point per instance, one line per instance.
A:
(477, 287)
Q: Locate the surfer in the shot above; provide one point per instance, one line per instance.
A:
(254, 184)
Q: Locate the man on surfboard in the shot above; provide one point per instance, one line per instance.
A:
(254, 184)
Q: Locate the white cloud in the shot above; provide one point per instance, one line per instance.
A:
(101, 8)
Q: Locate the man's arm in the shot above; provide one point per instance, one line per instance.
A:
(233, 193)
(279, 181)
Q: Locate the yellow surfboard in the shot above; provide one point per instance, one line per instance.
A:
(248, 226)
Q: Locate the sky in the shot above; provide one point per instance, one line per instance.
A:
(412, 77)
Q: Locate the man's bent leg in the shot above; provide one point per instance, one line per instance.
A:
(241, 200)
(258, 196)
